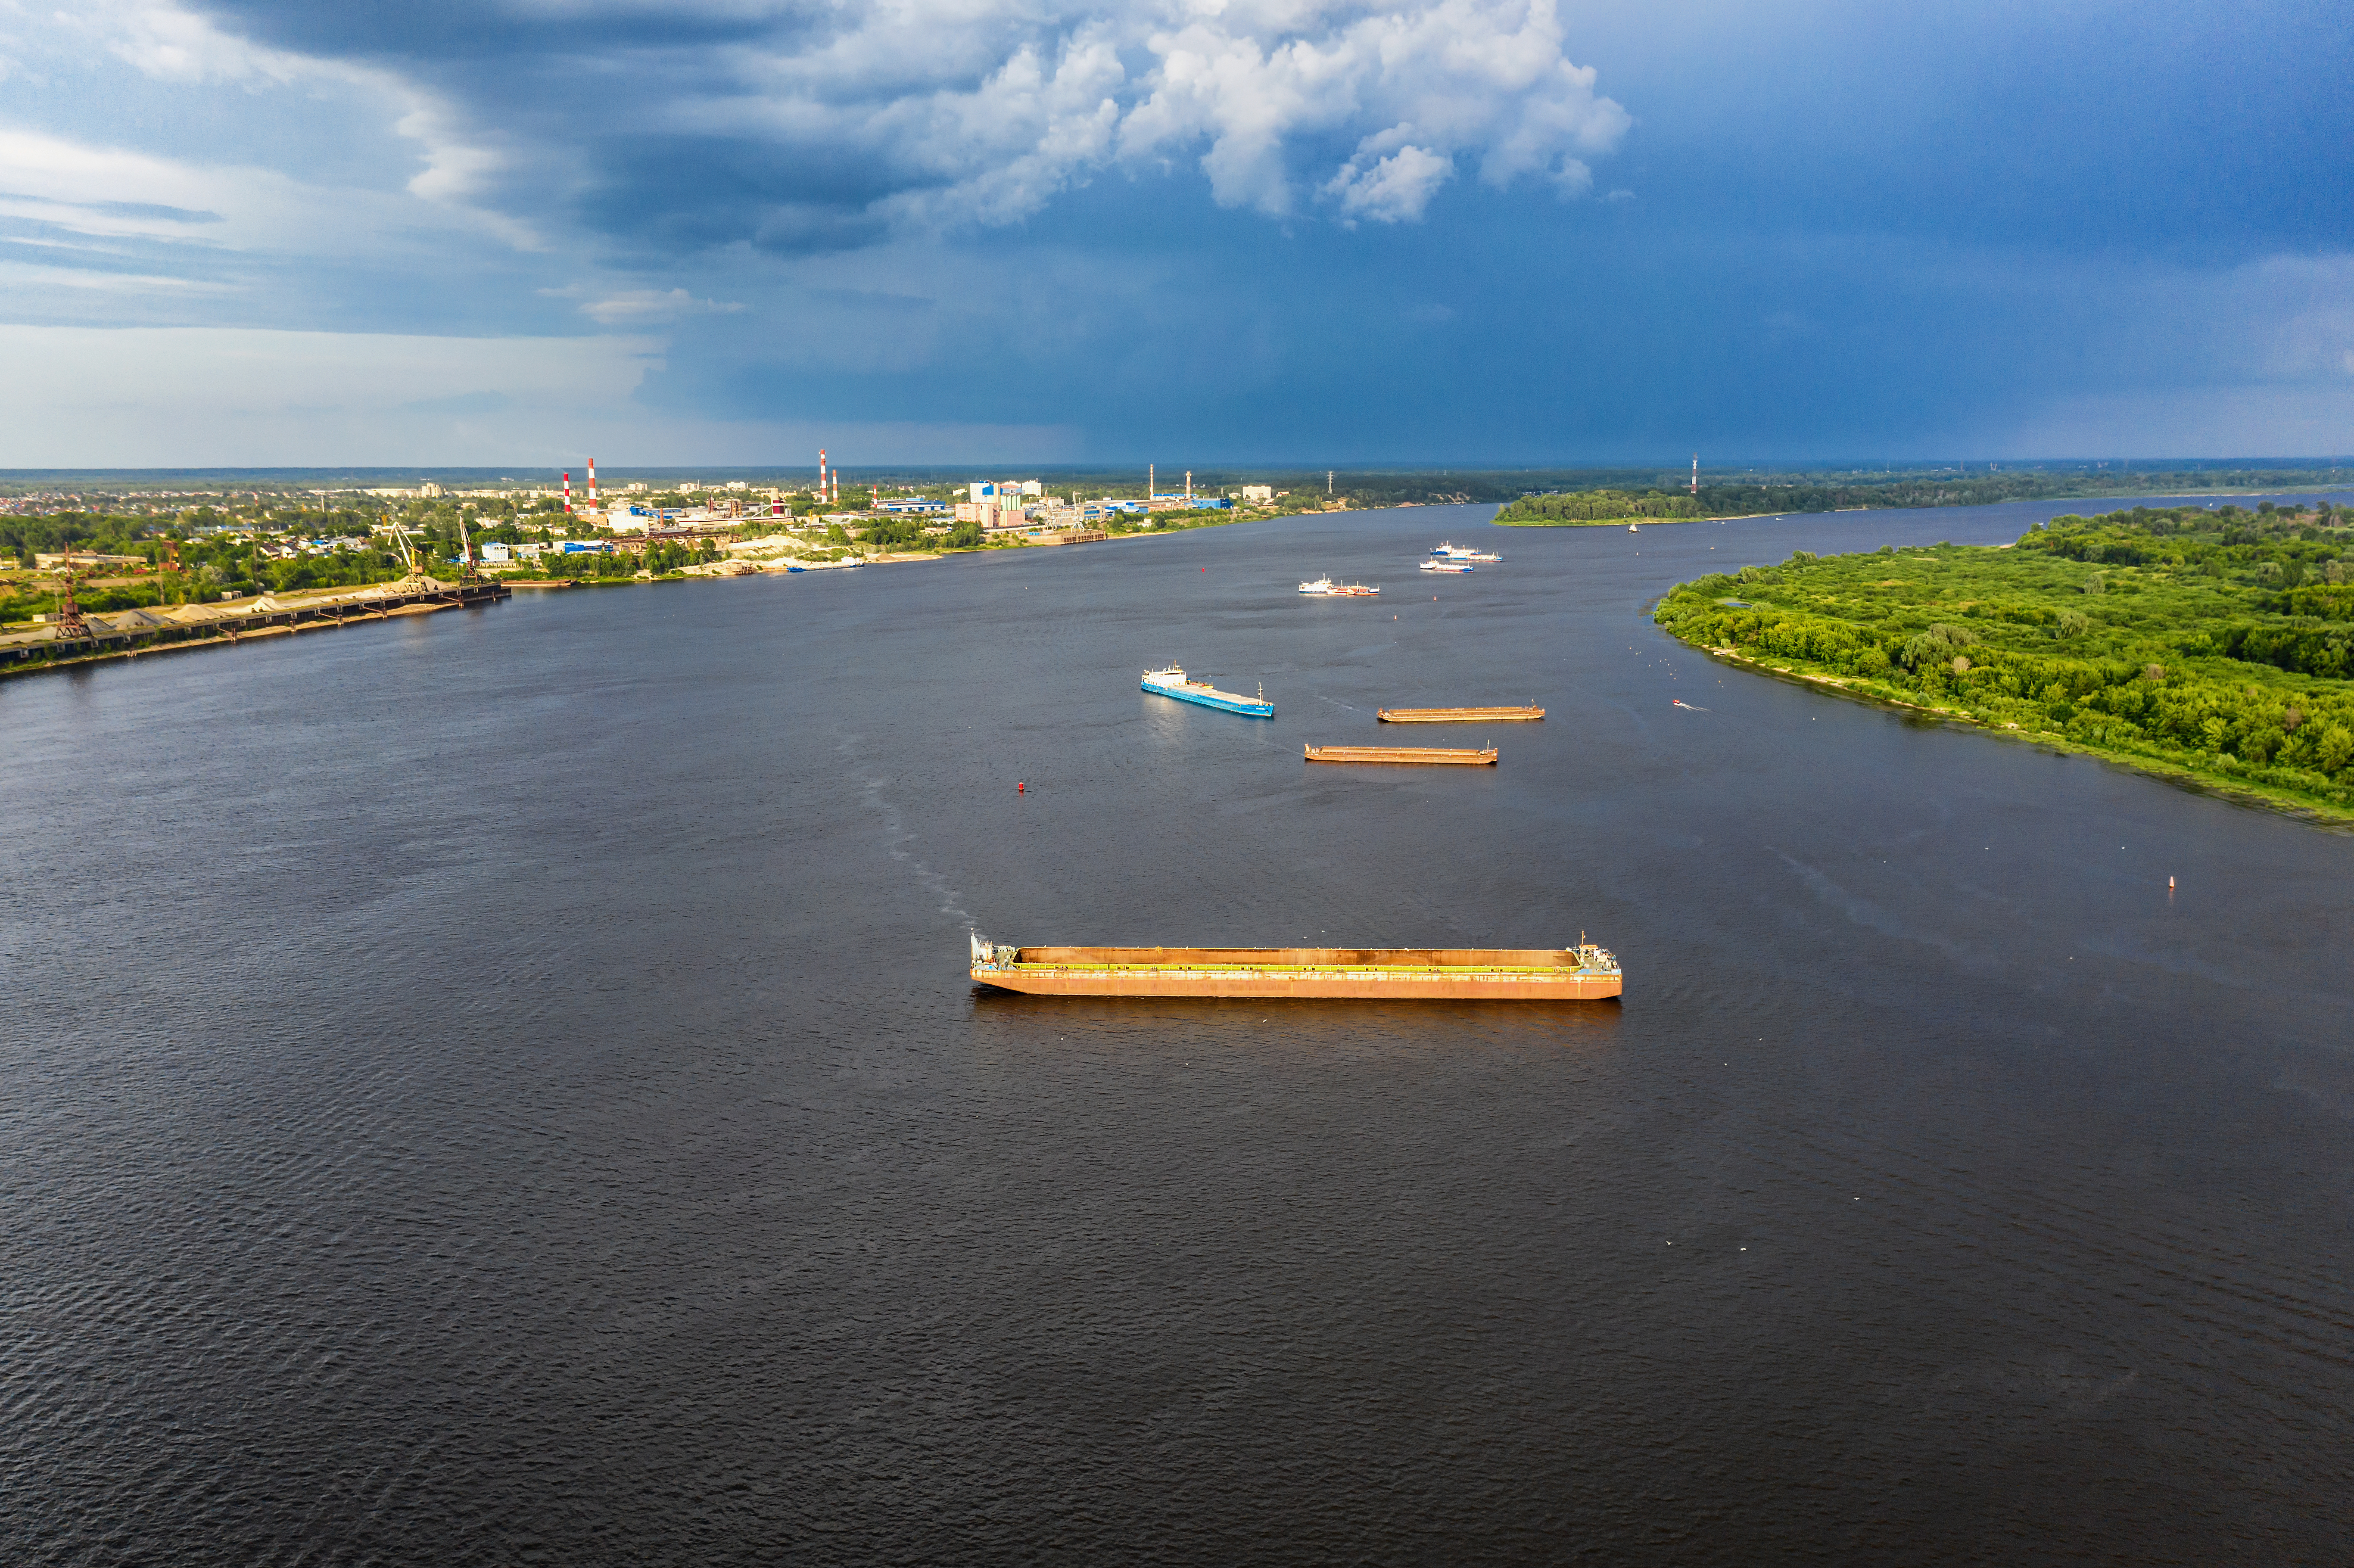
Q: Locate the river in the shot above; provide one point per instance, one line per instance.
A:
(504, 1087)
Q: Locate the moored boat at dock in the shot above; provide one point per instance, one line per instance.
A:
(1172, 683)
(1459, 757)
(1457, 715)
(1583, 973)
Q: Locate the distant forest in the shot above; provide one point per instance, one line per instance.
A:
(1662, 498)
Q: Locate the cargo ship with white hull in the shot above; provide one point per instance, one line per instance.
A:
(1172, 683)
(1583, 973)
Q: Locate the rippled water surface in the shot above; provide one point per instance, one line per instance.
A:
(504, 1087)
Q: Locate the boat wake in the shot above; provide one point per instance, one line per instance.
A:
(896, 836)
(1693, 707)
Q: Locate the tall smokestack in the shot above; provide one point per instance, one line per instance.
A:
(567, 493)
(1695, 473)
(1151, 485)
(592, 485)
(821, 476)
(1189, 487)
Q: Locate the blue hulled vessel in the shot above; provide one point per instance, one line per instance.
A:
(1172, 683)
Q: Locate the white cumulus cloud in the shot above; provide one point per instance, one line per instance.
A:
(786, 126)
(1264, 86)
(1393, 189)
(650, 305)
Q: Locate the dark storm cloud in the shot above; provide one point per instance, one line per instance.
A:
(658, 194)
(435, 34)
(795, 127)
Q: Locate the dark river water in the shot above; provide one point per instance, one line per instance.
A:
(504, 1087)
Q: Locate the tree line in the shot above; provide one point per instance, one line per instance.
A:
(2219, 641)
(1909, 490)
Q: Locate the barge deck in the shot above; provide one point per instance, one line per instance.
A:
(1583, 973)
(1461, 757)
(1459, 715)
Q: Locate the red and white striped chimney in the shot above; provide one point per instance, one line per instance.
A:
(821, 476)
(592, 485)
(567, 493)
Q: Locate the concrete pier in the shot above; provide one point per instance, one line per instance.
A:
(119, 634)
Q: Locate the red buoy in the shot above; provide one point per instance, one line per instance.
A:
(1018, 789)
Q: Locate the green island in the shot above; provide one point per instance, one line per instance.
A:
(2213, 645)
(1664, 499)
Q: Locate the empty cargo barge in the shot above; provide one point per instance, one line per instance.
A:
(1457, 715)
(1462, 756)
(1583, 973)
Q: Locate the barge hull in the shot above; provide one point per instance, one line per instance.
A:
(1272, 984)
(1224, 701)
(1448, 756)
(1457, 716)
(1465, 974)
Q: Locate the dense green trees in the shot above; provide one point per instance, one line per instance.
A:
(1802, 493)
(2219, 641)
(890, 533)
(1601, 506)
(591, 563)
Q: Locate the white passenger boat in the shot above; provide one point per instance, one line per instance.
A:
(1446, 552)
(1435, 564)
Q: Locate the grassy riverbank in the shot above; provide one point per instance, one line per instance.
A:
(2216, 645)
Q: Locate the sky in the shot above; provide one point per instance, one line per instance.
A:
(493, 232)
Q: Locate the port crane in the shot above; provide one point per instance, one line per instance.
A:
(466, 572)
(71, 626)
(414, 579)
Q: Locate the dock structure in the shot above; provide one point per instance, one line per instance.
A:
(122, 633)
(1457, 715)
(1461, 757)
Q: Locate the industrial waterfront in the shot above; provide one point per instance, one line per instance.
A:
(507, 1083)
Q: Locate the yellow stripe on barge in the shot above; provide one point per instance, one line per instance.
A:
(1583, 973)
(1457, 716)
(1461, 757)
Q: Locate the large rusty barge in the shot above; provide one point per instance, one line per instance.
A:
(1583, 973)
(1459, 715)
(1454, 755)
